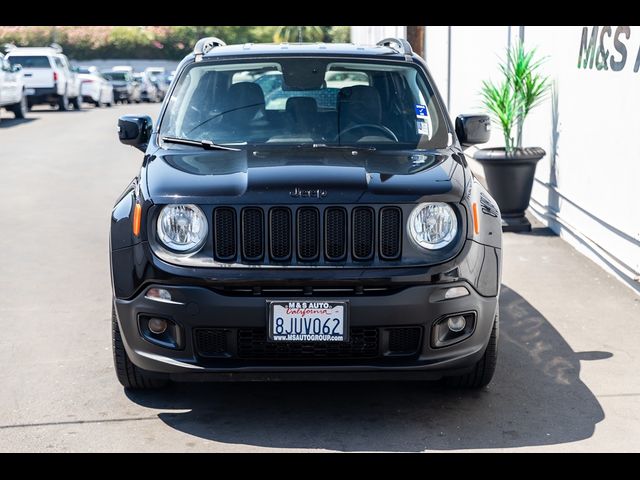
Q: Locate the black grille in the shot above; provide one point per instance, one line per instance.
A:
(363, 229)
(252, 234)
(305, 234)
(212, 342)
(390, 233)
(336, 233)
(308, 234)
(405, 340)
(252, 343)
(224, 225)
(280, 233)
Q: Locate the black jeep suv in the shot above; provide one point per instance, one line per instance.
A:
(304, 211)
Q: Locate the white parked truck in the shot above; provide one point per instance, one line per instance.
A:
(48, 76)
(12, 90)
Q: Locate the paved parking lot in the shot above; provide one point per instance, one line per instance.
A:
(567, 377)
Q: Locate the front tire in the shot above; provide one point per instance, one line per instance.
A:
(20, 109)
(63, 102)
(483, 371)
(77, 103)
(129, 376)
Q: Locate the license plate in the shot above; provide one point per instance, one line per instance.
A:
(29, 91)
(310, 321)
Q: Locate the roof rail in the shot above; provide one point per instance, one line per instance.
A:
(205, 45)
(57, 47)
(404, 47)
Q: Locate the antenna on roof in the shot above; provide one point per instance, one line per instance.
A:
(57, 47)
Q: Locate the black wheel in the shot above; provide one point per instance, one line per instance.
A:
(97, 103)
(77, 102)
(20, 109)
(128, 374)
(483, 371)
(63, 102)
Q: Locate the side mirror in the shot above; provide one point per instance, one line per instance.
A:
(135, 131)
(473, 129)
(16, 68)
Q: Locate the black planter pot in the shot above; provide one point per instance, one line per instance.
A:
(510, 179)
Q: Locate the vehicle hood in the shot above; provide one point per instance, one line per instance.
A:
(322, 176)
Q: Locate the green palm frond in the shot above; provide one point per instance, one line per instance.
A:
(521, 90)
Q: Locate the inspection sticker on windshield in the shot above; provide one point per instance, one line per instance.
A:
(421, 111)
(423, 127)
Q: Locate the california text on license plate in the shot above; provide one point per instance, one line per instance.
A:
(312, 321)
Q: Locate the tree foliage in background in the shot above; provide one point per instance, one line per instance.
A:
(166, 43)
(521, 89)
(298, 34)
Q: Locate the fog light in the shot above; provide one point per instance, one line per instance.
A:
(157, 326)
(456, 324)
(454, 329)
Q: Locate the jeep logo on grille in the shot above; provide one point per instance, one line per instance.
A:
(308, 193)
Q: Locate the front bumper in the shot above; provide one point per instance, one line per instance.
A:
(411, 307)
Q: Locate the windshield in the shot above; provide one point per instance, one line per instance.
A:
(117, 76)
(306, 101)
(30, 61)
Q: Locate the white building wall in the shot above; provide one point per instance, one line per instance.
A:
(438, 58)
(586, 188)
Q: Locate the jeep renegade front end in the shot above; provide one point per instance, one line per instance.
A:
(304, 211)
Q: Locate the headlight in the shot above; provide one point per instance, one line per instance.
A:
(182, 228)
(433, 225)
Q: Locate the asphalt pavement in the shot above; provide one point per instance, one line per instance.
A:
(567, 379)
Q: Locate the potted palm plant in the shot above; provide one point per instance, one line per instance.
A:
(509, 170)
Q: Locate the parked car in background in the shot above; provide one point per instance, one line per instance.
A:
(95, 87)
(123, 68)
(171, 76)
(48, 76)
(345, 79)
(12, 95)
(148, 90)
(158, 76)
(125, 87)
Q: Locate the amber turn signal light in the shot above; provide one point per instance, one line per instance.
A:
(476, 224)
(137, 217)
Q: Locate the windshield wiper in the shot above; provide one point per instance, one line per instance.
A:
(336, 147)
(206, 144)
